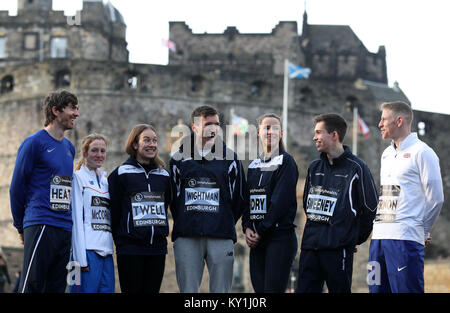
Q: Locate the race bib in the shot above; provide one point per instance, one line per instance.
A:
(202, 194)
(60, 193)
(258, 203)
(387, 206)
(101, 215)
(321, 203)
(148, 209)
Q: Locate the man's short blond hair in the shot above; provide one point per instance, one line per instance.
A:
(399, 108)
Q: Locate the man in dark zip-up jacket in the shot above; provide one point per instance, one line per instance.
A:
(340, 201)
(209, 200)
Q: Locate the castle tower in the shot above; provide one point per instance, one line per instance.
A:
(33, 5)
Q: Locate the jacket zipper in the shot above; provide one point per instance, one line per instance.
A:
(153, 227)
(259, 185)
(149, 189)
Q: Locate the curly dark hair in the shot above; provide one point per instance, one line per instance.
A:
(58, 99)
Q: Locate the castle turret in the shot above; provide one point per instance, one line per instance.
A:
(34, 5)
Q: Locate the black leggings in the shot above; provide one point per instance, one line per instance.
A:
(271, 261)
(140, 273)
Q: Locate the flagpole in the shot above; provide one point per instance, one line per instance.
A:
(355, 130)
(285, 101)
(230, 131)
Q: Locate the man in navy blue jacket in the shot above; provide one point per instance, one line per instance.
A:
(210, 183)
(340, 201)
(40, 196)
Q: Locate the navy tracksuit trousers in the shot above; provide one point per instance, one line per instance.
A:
(46, 255)
(271, 261)
(335, 267)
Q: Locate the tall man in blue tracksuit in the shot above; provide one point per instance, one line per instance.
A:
(210, 185)
(340, 201)
(40, 196)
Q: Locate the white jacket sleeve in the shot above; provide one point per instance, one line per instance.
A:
(78, 238)
(430, 176)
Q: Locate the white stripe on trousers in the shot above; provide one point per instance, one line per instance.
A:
(31, 260)
(343, 260)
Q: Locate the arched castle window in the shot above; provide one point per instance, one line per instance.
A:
(62, 78)
(424, 127)
(7, 84)
(58, 47)
(421, 126)
(132, 80)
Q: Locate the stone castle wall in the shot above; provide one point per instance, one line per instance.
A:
(231, 71)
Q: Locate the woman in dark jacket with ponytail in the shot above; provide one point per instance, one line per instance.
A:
(269, 221)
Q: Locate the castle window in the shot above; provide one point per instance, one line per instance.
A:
(421, 126)
(7, 84)
(58, 47)
(2, 48)
(351, 102)
(256, 88)
(132, 80)
(196, 83)
(305, 94)
(62, 79)
(30, 41)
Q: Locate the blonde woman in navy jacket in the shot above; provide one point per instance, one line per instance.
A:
(269, 221)
(92, 243)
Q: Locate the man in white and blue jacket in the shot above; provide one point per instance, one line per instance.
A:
(210, 182)
(40, 195)
(340, 201)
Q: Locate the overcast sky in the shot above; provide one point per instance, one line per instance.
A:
(414, 32)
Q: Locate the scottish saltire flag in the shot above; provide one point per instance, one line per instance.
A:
(170, 44)
(363, 127)
(240, 125)
(296, 71)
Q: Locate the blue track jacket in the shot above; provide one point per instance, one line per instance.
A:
(41, 185)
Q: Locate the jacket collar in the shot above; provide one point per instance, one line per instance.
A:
(407, 142)
(189, 141)
(92, 173)
(135, 163)
(276, 153)
(338, 160)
